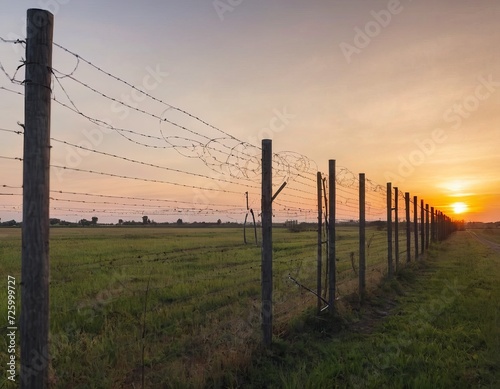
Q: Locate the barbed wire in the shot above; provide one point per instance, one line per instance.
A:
(284, 162)
(136, 198)
(149, 164)
(144, 179)
(225, 154)
(242, 158)
(169, 106)
(143, 205)
(12, 78)
(11, 158)
(11, 91)
(14, 41)
(19, 132)
(163, 167)
(149, 211)
(130, 177)
(226, 208)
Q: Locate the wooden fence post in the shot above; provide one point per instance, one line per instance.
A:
(408, 227)
(267, 243)
(439, 226)
(36, 189)
(327, 241)
(415, 224)
(389, 230)
(443, 226)
(396, 226)
(362, 236)
(443, 223)
(422, 227)
(331, 234)
(320, 240)
(433, 226)
(427, 230)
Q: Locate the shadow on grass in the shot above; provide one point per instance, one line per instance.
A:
(307, 339)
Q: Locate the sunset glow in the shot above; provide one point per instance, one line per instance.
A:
(401, 98)
(459, 207)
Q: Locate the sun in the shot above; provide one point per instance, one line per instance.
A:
(459, 207)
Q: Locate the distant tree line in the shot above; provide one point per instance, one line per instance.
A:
(146, 221)
(10, 223)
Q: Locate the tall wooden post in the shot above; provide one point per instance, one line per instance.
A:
(433, 226)
(447, 226)
(267, 242)
(327, 242)
(362, 236)
(440, 226)
(422, 227)
(331, 234)
(443, 222)
(396, 226)
(389, 230)
(415, 224)
(320, 240)
(36, 186)
(408, 227)
(427, 229)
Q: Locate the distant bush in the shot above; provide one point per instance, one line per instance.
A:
(10, 223)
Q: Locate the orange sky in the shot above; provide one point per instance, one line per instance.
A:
(403, 91)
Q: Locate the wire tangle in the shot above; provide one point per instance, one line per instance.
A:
(221, 152)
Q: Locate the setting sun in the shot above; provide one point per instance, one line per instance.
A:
(459, 207)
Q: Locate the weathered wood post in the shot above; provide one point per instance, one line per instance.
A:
(415, 224)
(396, 226)
(439, 226)
(320, 240)
(427, 227)
(267, 243)
(331, 234)
(362, 236)
(433, 226)
(422, 227)
(389, 230)
(408, 227)
(36, 187)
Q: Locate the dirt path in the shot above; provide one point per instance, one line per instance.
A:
(489, 243)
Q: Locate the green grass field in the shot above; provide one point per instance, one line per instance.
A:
(436, 326)
(184, 305)
(202, 315)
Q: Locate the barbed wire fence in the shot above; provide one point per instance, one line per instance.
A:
(222, 167)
